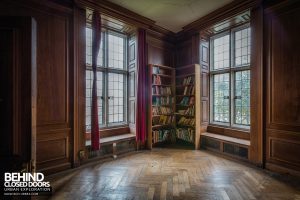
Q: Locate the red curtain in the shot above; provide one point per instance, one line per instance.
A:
(141, 116)
(96, 27)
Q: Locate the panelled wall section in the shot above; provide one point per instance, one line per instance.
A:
(61, 65)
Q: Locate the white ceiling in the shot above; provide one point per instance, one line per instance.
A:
(172, 14)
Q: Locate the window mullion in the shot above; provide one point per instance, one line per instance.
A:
(125, 88)
(232, 100)
(223, 71)
(241, 68)
(106, 80)
(231, 104)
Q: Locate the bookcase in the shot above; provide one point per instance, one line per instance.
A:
(188, 104)
(161, 119)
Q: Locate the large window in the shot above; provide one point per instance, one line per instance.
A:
(111, 79)
(230, 77)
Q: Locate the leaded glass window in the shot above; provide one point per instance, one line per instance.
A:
(111, 79)
(88, 96)
(230, 77)
(88, 48)
(116, 51)
(221, 52)
(116, 105)
(242, 47)
(242, 97)
(221, 97)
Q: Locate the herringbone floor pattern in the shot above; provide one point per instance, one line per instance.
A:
(176, 174)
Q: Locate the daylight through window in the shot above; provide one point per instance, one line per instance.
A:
(230, 77)
(111, 79)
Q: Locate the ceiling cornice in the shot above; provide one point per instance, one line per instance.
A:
(221, 14)
(125, 15)
(132, 18)
(116, 11)
(162, 33)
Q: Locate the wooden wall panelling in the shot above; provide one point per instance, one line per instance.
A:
(79, 136)
(132, 68)
(196, 48)
(204, 70)
(283, 148)
(159, 52)
(187, 51)
(184, 55)
(17, 93)
(53, 103)
(256, 101)
(53, 96)
(282, 86)
(53, 149)
(53, 68)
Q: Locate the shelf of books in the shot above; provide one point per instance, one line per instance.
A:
(161, 123)
(187, 108)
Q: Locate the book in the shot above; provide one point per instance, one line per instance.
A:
(188, 80)
(155, 70)
(163, 110)
(192, 101)
(156, 80)
(190, 111)
(161, 90)
(186, 134)
(184, 101)
(162, 101)
(164, 135)
(186, 121)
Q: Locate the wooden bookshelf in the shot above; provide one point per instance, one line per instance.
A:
(161, 85)
(188, 100)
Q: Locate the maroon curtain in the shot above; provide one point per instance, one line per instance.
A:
(141, 116)
(96, 27)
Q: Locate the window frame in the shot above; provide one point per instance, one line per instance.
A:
(105, 69)
(231, 70)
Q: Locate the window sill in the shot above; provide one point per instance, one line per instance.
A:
(227, 139)
(235, 132)
(111, 131)
(241, 128)
(113, 139)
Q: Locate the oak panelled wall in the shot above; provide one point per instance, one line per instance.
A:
(159, 51)
(256, 100)
(184, 53)
(132, 68)
(282, 44)
(79, 70)
(204, 70)
(53, 116)
(61, 68)
(53, 86)
(187, 50)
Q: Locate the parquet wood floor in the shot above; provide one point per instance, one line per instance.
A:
(176, 174)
